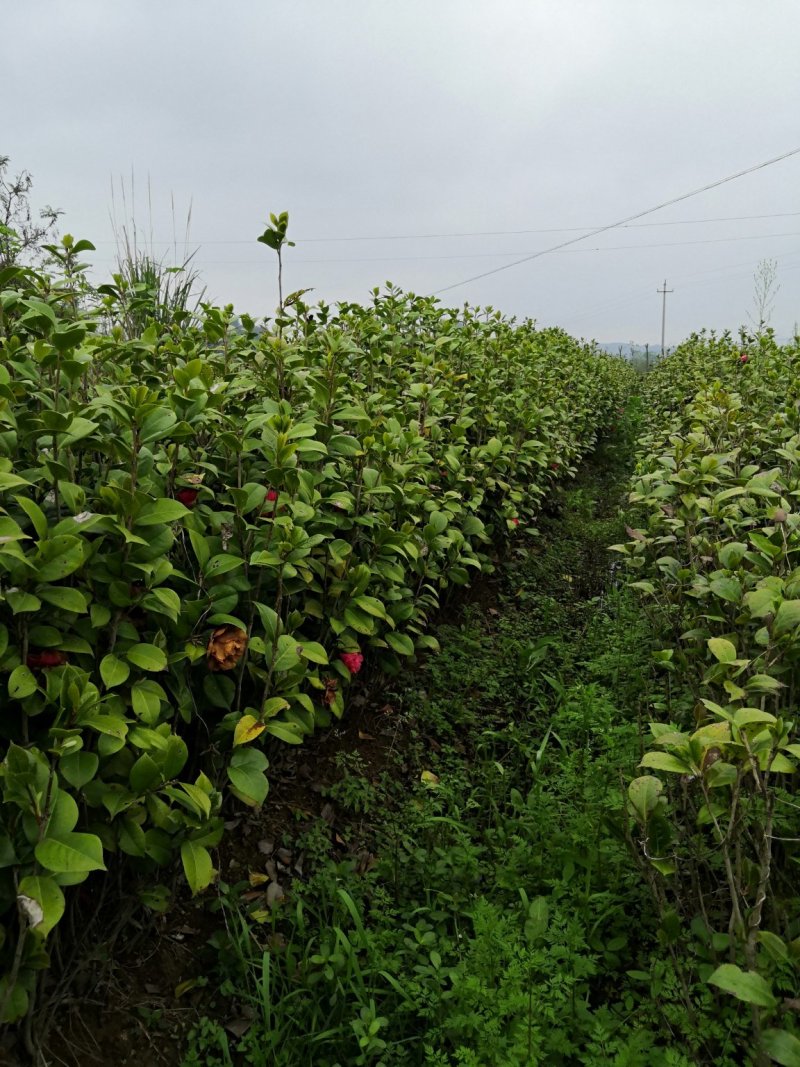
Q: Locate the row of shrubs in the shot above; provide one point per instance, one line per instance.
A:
(716, 556)
(209, 526)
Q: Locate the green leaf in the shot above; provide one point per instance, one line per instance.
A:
(72, 853)
(761, 601)
(371, 605)
(35, 514)
(746, 716)
(200, 547)
(286, 654)
(44, 636)
(722, 649)
(48, 895)
(745, 985)
(15, 999)
(147, 657)
(131, 837)
(728, 589)
(78, 768)
(155, 897)
(285, 731)
(731, 554)
(72, 643)
(537, 920)
(313, 651)
(782, 1047)
(665, 761)
(246, 776)
(272, 706)
(61, 596)
(787, 617)
(222, 564)
(775, 948)
(401, 643)
(157, 425)
(22, 683)
(161, 511)
(643, 794)
(359, 621)
(763, 683)
(11, 481)
(644, 587)
(163, 602)
(113, 671)
(64, 815)
(145, 774)
(197, 866)
(21, 601)
(146, 697)
(59, 557)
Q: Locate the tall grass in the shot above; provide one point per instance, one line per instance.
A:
(149, 287)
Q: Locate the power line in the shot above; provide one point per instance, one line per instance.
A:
(596, 248)
(493, 255)
(479, 233)
(548, 229)
(622, 222)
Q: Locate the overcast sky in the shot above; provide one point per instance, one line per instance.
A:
(400, 119)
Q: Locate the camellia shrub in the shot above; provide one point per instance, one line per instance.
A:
(208, 529)
(717, 560)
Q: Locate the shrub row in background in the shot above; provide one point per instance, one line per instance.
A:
(207, 528)
(717, 559)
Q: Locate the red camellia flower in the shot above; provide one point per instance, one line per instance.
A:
(515, 521)
(187, 497)
(46, 658)
(744, 357)
(271, 498)
(352, 660)
(553, 466)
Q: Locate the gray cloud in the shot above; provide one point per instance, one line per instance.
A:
(367, 118)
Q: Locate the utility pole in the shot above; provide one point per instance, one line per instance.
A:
(663, 292)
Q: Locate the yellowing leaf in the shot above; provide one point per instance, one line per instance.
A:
(184, 987)
(247, 729)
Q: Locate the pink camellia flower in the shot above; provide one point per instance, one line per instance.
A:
(744, 358)
(272, 494)
(352, 660)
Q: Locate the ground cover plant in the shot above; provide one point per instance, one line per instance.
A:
(714, 554)
(209, 526)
